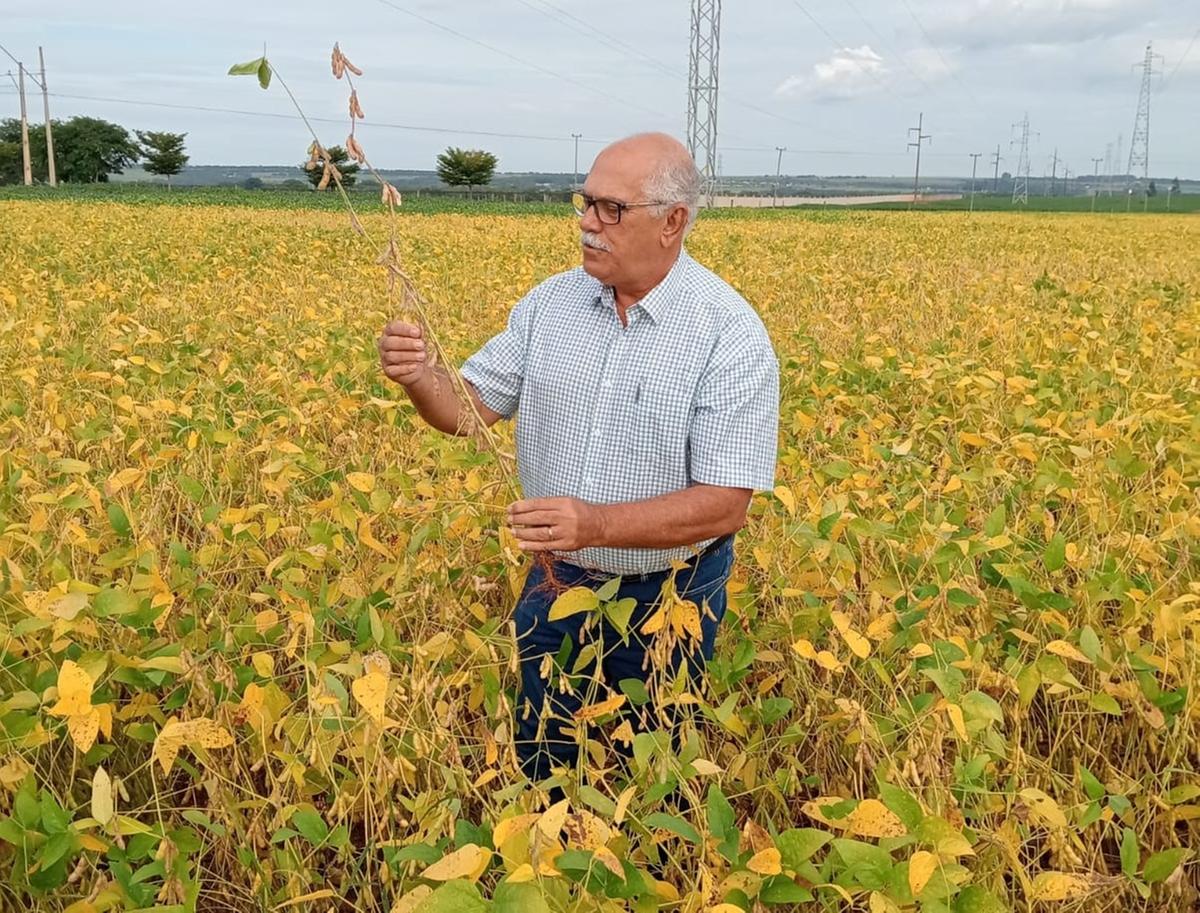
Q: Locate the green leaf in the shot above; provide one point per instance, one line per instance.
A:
(720, 813)
(635, 690)
(119, 520)
(1160, 866)
(674, 824)
(800, 844)
(573, 601)
(1055, 554)
(1105, 703)
(1029, 680)
(619, 613)
(1089, 643)
(609, 589)
(780, 890)
(1177, 795)
(1130, 857)
(113, 601)
(994, 524)
(978, 899)
(981, 706)
(311, 825)
(900, 801)
(1093, 787)
(249, 68)
(55, 848)
(519, 898)
(456, 896)
(264, 73)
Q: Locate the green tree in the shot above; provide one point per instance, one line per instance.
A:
(341, 160)
(89, 149)
(1151, 190)
(86, 149)
(468, 168)
(1175, 186)
(163, 152)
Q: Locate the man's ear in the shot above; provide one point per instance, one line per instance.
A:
(674, 226)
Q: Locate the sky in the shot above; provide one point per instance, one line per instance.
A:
(836, 82)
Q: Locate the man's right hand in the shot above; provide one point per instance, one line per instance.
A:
(402, 353)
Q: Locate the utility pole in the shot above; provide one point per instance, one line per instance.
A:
(576, 136)
(46, 107)
(996, 164)
(703, 69)
(1053, 172)
(1095, 180)
(1139, 146)
(780, 150)
(24, 125)
(974, 162)
(920, 138)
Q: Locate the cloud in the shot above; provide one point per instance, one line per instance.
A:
(990, 24)
(849, 73)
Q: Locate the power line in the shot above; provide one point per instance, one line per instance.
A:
(1182, 58)
(930, 42)
(417, 128)
(513, 57)
(839, 46)
(883, 43)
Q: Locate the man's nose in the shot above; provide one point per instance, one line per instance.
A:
(589, 221)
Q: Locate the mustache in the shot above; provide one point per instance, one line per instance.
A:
(591, 239)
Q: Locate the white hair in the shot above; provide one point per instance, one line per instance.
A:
(676, 182)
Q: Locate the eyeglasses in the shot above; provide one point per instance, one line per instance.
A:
(608, 211)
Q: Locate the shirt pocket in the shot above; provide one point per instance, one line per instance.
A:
(645, 439)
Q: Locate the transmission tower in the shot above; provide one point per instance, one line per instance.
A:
(1021, 175)
(1139, 146)
(702, 90)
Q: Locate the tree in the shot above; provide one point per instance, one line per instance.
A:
(1151, 190)
(89, 149)
(253, 183)
(12, 168)
(1175, 186)
(339, 157)
(466, 167)
(163, 152)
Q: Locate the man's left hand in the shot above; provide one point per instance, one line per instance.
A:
(555, 524)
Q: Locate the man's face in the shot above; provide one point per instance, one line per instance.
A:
(616, 253)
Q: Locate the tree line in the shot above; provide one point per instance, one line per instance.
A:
(88, 150)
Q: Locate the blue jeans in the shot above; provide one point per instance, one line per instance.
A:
(543, 709)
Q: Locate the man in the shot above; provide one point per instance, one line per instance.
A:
(647, 398)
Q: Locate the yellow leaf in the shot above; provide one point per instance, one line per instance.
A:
(870, 818)
(1066, 651)
(1049, 886)
(954, 483)
(827, 660)
(361, 481)
(955, 714)
(903, 448)
(786, 498)
(175, 734)
(264, 664)
(921, 867)
(370, 691)
(591, 711)
(706, 768)
(102, 796)
(586, 831)
(521, 874)
(766, 862)
(881, 903)
(83, 728)
(804, 648)
(859, 645)
(920, 651)
(882, 626)
(971, 439)
(509, 827)
(571, 602)
(551, 821)
(408, 903)
(1044, 807)
(467, 861)
(74, 691)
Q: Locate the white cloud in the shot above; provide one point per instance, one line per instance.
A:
(929, 65)
(849, 73)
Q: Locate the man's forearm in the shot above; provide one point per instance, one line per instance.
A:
(679, 518)
(437, 401)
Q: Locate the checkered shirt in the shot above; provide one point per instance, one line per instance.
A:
(687, 393)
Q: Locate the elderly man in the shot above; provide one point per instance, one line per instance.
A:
(646, 393)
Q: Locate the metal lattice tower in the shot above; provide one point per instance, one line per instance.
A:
(1139, 146)
(702, 91)
(1021, 174)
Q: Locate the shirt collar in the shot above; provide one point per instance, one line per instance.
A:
(656, 300)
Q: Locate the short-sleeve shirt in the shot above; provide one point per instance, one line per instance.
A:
(687, 392)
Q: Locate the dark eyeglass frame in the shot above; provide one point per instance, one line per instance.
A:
(582, 203)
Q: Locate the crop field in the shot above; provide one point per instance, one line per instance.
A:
(255, 616)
